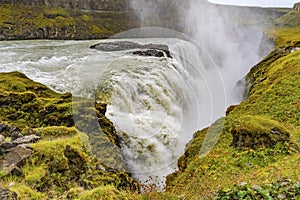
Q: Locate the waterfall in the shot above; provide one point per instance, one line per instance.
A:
(155, 103)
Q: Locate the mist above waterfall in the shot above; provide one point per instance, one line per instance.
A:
(223, 31)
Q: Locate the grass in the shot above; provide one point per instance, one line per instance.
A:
(286, 29)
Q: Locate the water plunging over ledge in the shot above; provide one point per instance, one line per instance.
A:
(155, 103)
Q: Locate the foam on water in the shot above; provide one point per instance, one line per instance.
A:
(156, 104)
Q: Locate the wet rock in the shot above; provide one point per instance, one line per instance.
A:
(26, 139)
(101, 107)
(6, 194)
(116, 46)
(151, 52)
(157, 50)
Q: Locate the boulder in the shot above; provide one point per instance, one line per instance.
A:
(15, 128)
(12, 158)
(150, 52)
(16, 155)
(297, 6)
(158, 50)
(6, 194)
(257, 132)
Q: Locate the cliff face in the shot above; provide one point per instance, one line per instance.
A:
(108, 5)
(19, 21)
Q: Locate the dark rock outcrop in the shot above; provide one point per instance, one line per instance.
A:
(297, 6)
(4, 129)
(16, 151)
(157, 50)
(6, 194)
(150, 52)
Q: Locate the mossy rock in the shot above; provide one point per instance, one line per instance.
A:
(257, 131)
(64, 157)
(25, 103)
(108, 192)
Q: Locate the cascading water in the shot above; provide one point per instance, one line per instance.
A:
(153, 104)
(156, 104)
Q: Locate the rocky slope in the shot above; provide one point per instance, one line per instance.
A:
(61, 163)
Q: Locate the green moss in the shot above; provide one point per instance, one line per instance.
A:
(56, 131)
(52, 151)
(34, 174)
(256, 131)
(108, 192)
(25, 192)
(286, 29)
(97, 30)
(26, 103)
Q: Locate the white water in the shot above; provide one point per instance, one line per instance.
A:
(157, 103)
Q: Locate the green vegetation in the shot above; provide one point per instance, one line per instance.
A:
(28, 22)
(255, 150)
(287, 29)
(29, 104)
(62, 160)
(283, 189)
